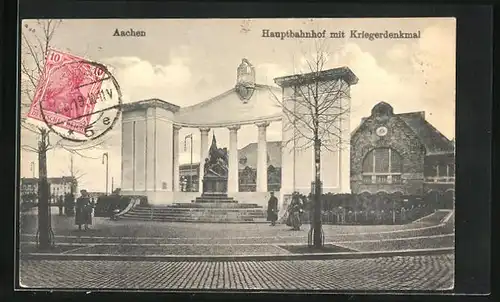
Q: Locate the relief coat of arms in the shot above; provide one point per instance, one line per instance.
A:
(245, 81)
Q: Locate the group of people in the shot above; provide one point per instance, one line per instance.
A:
(293, 214)
(66, 204)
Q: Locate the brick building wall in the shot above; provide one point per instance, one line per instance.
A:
(400, 138)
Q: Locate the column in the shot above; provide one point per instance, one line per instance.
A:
(233, 182)
(262, 157)
(175, 170)
(203, 155)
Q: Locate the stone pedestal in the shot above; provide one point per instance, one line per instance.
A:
(214, 190)
(214, 185)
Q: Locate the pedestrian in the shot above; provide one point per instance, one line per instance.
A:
(60, 204)
(69, 204)
(83, 210)
(272, 209)
(295, 211)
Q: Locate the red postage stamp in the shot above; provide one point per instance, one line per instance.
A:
(67, 92)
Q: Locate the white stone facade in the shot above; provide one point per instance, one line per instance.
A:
(150, 144)
(147, 140)
(298, 167)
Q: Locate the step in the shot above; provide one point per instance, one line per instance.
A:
(216, 200)
(199, 211)
(216, 205)
(236, 216)
(253, 213)
(193, 216)
(200, 205)
(256, 215)
(196, 209)
(201, 221)
(214, 194)
(219, 200)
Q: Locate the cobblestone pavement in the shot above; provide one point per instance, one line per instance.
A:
(385, 273)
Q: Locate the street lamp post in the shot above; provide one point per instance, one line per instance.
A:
(393, 211)
(190, 136)
(105, 155)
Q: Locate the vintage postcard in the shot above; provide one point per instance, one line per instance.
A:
(237, 154)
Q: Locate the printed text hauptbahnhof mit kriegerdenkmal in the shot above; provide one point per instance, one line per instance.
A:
(352, 34)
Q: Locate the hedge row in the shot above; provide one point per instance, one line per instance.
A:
(398, 216)
(377, 202)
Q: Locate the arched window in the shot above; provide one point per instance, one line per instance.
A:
(382, 165)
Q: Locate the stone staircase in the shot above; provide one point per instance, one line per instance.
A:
(215, 198)
(212, 212)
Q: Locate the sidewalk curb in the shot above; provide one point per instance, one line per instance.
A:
(228, 258)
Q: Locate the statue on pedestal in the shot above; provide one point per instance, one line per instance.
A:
(215, 169)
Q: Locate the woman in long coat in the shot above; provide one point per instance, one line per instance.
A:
(272, 209)
(295, 210)
(83, 213)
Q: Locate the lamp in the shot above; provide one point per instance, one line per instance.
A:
(107, 160)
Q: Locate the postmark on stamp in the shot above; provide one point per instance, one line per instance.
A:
(78, 99)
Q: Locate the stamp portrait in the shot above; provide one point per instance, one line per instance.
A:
(67, 92)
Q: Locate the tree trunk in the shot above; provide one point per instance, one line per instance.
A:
(44, 227)
(317, 238)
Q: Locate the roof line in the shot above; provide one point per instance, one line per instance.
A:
(434, 129)
(439, 132)
(215, 98)
(206, 102)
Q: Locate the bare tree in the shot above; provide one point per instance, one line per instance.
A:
(316, 103)
(35, 46)
(36, 42)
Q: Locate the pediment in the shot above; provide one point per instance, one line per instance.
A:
(229, 109)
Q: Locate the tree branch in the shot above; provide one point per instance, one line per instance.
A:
(23, 125)
(29, 148)
(33, 54)
(318, 109)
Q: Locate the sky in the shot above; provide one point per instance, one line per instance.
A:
(186, 62)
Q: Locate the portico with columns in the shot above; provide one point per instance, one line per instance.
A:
(151, 142)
